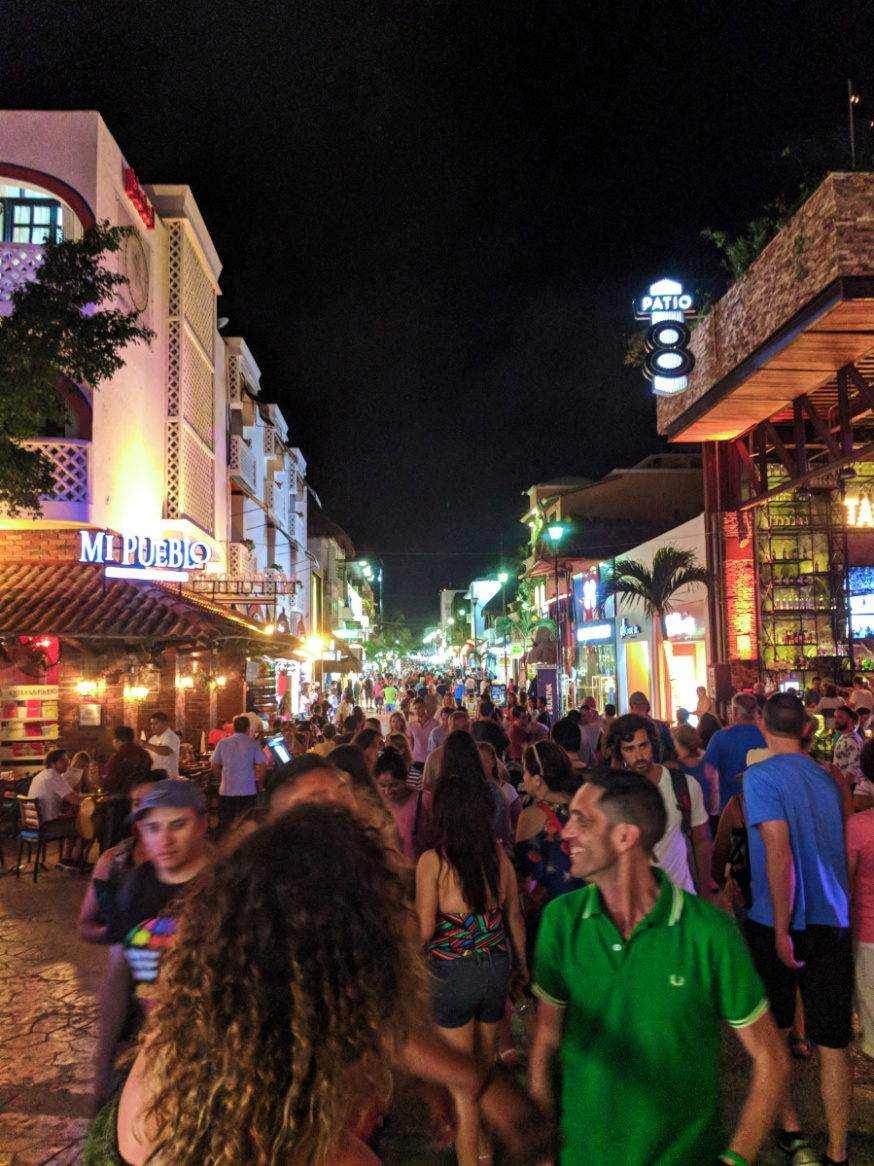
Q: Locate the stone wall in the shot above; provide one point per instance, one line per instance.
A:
(831, 237)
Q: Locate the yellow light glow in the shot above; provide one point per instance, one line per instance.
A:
(314, 646)
(221, 681)
(270, 629)
(86, 687)
(138, 492)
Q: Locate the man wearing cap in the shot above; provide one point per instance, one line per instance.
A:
(172, 826)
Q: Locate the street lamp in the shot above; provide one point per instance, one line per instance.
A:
(555, 532)
(502, 579)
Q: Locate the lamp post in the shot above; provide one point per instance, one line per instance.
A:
(502, 579)
(555, 532)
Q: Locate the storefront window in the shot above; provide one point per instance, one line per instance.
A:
(596, 674)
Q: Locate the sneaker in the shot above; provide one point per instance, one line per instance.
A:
(68, 866)
(796, 1148)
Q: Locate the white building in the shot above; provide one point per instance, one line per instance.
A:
(180, 442)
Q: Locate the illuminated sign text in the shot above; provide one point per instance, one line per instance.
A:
(668, 359)
(594, 631)
(133, 556)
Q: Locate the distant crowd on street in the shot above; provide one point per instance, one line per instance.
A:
(389, 877)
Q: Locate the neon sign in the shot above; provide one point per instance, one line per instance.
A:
(138, 197)
(859, 511)
(680, 625)
(590, 594)
(132, 556)
(628, 629)
(668, 359)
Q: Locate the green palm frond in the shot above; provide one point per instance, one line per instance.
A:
(673, 568)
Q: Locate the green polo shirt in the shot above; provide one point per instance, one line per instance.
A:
(642, 1033)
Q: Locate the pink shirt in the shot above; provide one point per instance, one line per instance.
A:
(860, 843)
(419, 735)
(405, 820)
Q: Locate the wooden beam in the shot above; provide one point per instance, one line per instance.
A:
(820, 426)
(782, 452)
(864, 453)
(844, 422)
(800, 437)
(763, 458)
(863, 389)
(749, 465)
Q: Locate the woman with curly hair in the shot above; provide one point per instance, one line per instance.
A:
(295, 982)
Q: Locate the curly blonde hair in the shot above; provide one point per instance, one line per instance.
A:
(296, 962)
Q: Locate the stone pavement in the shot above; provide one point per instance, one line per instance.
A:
(49, 983)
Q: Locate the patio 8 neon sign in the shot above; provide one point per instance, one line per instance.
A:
(668, 360)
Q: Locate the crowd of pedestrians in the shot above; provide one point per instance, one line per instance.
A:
(622, 885)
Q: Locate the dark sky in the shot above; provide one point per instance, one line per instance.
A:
(433, 214)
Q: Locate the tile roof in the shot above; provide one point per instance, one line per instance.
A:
(76, 601)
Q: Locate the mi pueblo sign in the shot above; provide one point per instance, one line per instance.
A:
(668, 359)
(136, 556)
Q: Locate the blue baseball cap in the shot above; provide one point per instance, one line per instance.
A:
(173, 793)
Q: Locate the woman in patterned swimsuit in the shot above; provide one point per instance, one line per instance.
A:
(468, 906)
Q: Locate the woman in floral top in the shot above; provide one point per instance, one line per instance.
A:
(542, 857)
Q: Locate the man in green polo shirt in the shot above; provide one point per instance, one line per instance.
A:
(635, 977)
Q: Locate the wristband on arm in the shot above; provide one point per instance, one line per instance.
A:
(733, 1157)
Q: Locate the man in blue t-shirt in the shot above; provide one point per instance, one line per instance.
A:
(726, 755)
(798, 926)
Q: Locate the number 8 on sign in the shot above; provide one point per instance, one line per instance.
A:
(666, 352)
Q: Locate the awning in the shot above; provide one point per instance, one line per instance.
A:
(75, 601)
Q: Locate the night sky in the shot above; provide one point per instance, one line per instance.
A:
(433, 215)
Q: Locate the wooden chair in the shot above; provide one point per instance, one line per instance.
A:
(34, 832)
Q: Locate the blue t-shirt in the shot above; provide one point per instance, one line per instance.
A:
(727, 753)
(699, 772)
(791, 788)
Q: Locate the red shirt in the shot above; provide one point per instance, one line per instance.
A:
(121, 767)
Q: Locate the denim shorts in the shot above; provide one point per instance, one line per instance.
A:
(473, 987)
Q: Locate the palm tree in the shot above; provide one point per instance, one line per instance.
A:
(521, 625)
(633, 582)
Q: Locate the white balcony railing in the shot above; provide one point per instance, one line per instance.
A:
(242, 464)
(297, 528)
(18, 264)
(69, 460)
(274, 497)
(241, 561)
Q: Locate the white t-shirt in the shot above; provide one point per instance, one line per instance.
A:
(861, 698)
(670, 852)
(50, 788)
(171, 761)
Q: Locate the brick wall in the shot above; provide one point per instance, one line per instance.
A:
(831, 236)
(38, 543)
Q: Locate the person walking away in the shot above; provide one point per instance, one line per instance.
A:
(419, 731)
(726, 753)
(438, 736)
(635, 978)
(126, 762)
(485, 729)
(690, 757)
(458, 692)
(638, 704)
(390, 693)
(798, 926)
(458, 721)
(569, 735)
(467, 902)
(497, 773)
(58, 804)
(238, 765)
(683, 851)
(163, 745)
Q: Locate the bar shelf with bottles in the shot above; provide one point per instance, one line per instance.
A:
(801, 557)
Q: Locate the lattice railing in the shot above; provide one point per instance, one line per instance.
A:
(242, 463)
(69, 465)
(241, 561)
(198, 298)
(198, 483)
(18, 265)
(198, 391)
(274, 497)
(297, 529)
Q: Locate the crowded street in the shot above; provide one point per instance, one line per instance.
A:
(437, 584)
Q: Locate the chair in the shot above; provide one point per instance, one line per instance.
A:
(34, 832)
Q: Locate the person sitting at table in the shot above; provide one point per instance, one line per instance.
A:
(78, 772)
(57, 805)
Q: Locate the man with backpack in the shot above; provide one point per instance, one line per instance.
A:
(683, 852)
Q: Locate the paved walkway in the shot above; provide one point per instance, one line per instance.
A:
(49, 983)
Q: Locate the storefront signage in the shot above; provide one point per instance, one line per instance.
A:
(859, 511)
(133, 556)
(668, 359)
(347, 633)
(138, 197)
(590, 594)
(629, 629)
(594, 631)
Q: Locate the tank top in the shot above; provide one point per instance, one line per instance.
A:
(460, 936)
